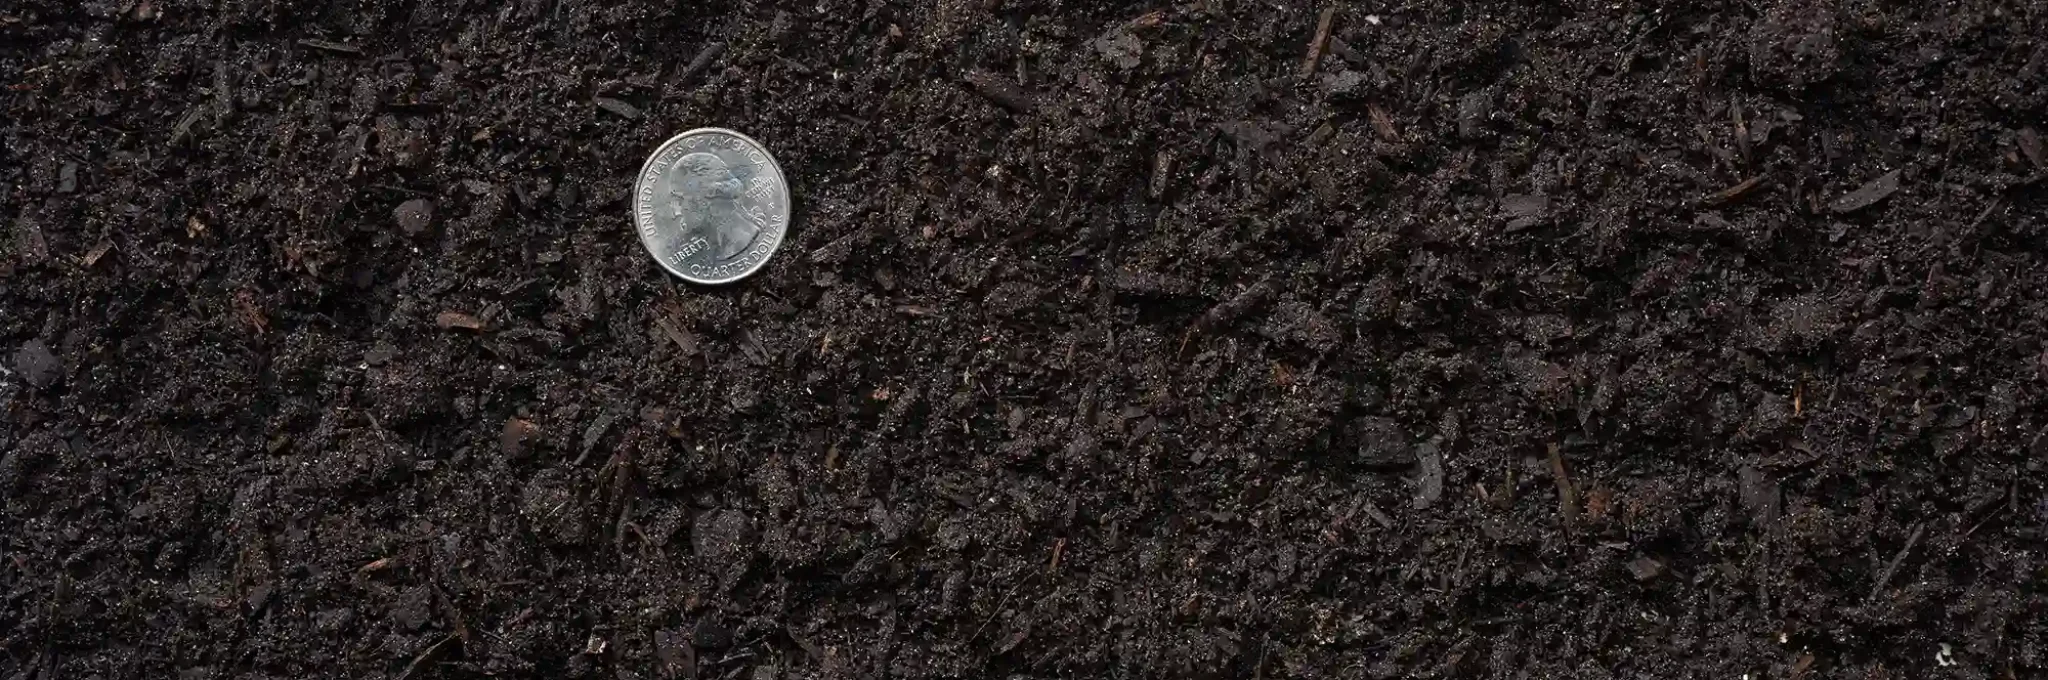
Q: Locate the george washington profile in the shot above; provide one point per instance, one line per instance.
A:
(706, 197)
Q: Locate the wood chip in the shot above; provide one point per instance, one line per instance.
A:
(1144, 428)
(595, 433)
(1121, 48)
(1322, 135)
(1315, 46)
(617, 107)
(1742, 139)
(245, 307)
(684, 340)
(1162, 172)
(183, 129)
(98, 251)
(750, 344)
(1383, 124)
(1645, 568)
(1016, 638)
(1567, 495)
(1430, 486)
(1597, 502)
(33, 247)
(1919, 529)
(1380, 518)
(1524, 205)
(1524, 210)
(1001, 91)
(458, 320)
(1867, 195)
(1343, 50)
(414, 216)
(512, 440)
(331, 46)
(1229, 310)
(1473, 110)
(700, 62)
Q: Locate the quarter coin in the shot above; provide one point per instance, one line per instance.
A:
(711, 205)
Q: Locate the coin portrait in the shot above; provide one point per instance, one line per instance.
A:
(705, 196)
(711, 206)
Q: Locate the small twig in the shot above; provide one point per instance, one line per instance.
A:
(1735, 192)
(1061, 216)
(736, 656)
(1991, 513)
(454, 615)
(378, 425)
(619, 529)
(1229, 310)
(328, 45)
(1315, 46)
(1383, 123)
(429, 653)
(836, 248)
(1988, 209)
(1741, 129)
(914, 310)
(1000, 605)
(1059, 547)
(1567, 496)
(400, 190)
(1919, 528)
(700, 62)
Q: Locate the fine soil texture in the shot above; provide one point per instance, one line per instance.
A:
(1208, 339)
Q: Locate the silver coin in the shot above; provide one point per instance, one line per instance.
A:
(711, 206)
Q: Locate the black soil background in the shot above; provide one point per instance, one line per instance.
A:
(1110, 340)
